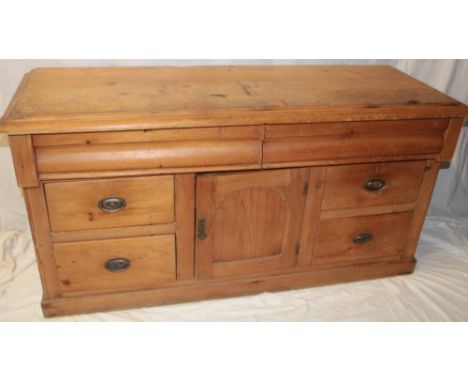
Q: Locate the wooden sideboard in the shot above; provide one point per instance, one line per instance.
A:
(160, 185)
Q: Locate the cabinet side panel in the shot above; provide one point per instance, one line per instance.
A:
(451, 138)
(39, 221)
(24, 160)
(425, 193)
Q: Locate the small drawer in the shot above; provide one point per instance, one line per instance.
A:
(116, 265)
(95, 204)
(369, 185)
(364, 238)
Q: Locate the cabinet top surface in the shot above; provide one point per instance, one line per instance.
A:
(100, 99)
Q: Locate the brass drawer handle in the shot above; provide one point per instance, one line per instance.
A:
(112, 204)
(362, 238)
(117, 264)
(374, 184)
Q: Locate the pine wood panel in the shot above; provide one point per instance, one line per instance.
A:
(222, 288)
(363, 211)
(346, 129)
(389, 237)
(451, 138)
(81, 265)
(425, 194)
(339, 141)
(312, 214)
(252, 221)
(194, 134)
(102, 99)
(342, 161)
(104, 90)
(65, 156)
(39, 221)
(14, 99)
(74, 205)
(24, 160)
(135, 156)
(345, 184)
(185, 225)
(143, 172)
(110, 233)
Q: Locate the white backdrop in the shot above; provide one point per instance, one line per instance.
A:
(450, 76)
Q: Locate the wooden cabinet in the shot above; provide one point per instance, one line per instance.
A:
(248, 223)
(159, 185)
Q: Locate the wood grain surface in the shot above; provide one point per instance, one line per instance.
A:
(73, 206)
(252, 221)
(93, 99)
(24, 160)
(345, 185)
(81, 265)
(236, 180)
(389, 234)
(304, 143)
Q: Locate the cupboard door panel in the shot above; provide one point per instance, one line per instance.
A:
(248, 223)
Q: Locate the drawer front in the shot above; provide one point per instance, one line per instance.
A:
(96, 204)
(348, 240)
(113, 265)
(146, 150)
(368, 185)
(309, 143)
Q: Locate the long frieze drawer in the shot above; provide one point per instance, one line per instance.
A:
(158, 149)
(348, 240)
(304, 143)
(376, 184)
(95, 204)
(118, 264)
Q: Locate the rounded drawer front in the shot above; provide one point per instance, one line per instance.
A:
(309, 144)
(116, 265)
(149, 149)
(362, 238)
(110, 203)
(367, 185)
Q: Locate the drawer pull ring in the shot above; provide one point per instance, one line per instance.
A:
(112, 204)
(374, 184)
(117, 264)
(362, 238)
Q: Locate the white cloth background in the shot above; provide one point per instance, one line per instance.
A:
(438, 290)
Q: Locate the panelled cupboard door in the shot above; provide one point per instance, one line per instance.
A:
(248, 223)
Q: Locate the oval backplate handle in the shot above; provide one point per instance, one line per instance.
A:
(362, 238)
(112, 204)
(117, 264)
(374, 184)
